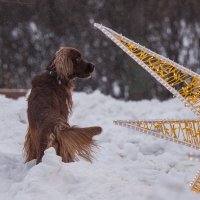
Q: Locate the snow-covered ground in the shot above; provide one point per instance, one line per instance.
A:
(128, 165)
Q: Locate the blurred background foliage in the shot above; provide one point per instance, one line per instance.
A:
(31, 32)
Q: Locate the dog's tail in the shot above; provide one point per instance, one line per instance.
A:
(75, 142)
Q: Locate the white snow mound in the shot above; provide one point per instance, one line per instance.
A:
(128, 165)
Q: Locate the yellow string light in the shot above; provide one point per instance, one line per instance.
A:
(180, 81)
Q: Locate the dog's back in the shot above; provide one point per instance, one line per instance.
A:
(45, 101)
(48, 99)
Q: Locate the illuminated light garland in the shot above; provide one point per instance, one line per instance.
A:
(185, 132)
(180, 81)
(195, 184)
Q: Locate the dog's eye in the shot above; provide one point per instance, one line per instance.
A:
(78, 60)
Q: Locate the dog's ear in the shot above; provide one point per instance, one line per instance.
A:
(63, 63)
(51, 65)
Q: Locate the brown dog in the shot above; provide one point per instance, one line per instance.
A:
(49, 106)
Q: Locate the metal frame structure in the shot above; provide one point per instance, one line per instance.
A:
(180, 81)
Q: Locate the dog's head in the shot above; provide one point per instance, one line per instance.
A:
(68, 63)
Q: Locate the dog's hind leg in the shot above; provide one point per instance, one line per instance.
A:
(45, 143)
(42, 147)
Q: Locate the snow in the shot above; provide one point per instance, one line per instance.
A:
(128, 165)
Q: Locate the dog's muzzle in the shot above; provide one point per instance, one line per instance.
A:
(90, 67)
